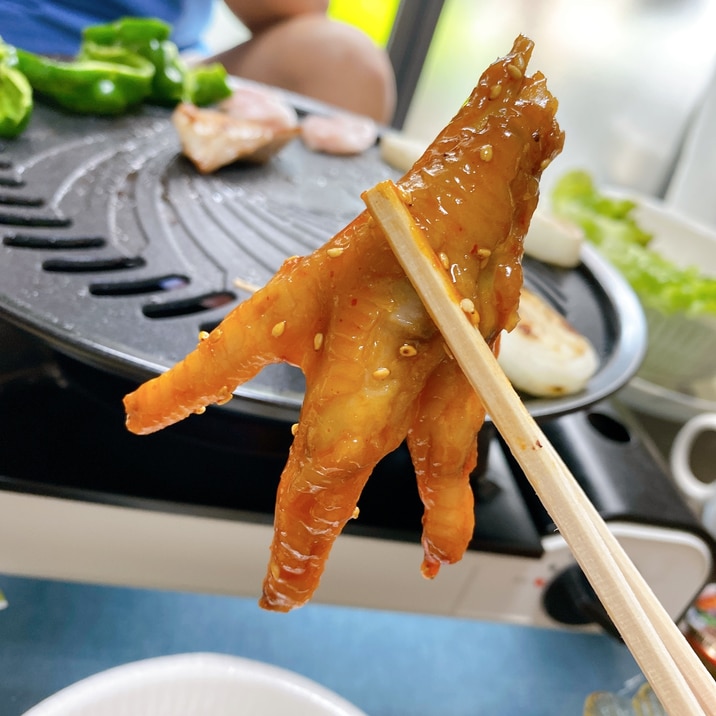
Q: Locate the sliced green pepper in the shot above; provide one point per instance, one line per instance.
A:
(148, 37)
(16, 101)
(120, 65)
(90, 86)
(173, 81)
(170, 70)
(8, 54)
(128, 31)
(206, 84)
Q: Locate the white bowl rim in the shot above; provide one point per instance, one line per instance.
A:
(655, 203)
(197, 664)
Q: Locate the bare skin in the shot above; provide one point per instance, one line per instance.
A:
(294, 45)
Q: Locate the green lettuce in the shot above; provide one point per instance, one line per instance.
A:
(608, 223)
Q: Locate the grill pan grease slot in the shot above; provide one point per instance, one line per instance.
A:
(117, 252)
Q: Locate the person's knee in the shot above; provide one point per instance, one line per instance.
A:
(357, 72)
(323, 59)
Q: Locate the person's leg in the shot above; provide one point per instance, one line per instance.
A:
(320, 58)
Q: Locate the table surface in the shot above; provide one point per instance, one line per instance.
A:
(54, 633)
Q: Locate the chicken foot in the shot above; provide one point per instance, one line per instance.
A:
(377, 371)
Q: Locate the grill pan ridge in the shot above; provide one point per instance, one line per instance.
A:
(117, 252)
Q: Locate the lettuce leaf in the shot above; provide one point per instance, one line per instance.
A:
(608, 224)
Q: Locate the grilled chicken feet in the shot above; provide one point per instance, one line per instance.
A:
(377, 371)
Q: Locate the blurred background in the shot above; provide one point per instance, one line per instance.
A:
(629, 74)
(636, 83)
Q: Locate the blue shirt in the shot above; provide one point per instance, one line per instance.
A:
(54, 28)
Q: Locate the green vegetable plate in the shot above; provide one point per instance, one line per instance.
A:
(670, 262)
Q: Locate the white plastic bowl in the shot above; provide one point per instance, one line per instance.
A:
(681, 349)
(198, 684)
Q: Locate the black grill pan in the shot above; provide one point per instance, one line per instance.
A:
(117, 252)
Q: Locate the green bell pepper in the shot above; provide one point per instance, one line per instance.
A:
(206, 84)
(119, 65)
(16, 102)
(130, 32)
(149, 38)
(173, 80)
(88, 85)
(170, 70)
(8, 54)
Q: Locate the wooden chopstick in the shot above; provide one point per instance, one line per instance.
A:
(679, 679)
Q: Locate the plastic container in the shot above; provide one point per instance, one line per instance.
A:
(643, 703)
(681, 347)
(699, 627)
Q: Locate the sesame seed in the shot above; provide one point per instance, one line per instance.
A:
(275, 570)
(467, 305)
(381, 373)
(294, 429)
(495, 91)
(486, 152)
(317, 341)
(200, 410)
(408, 351)
(203, 335)
(335, 252)
(355, 514)
(278, 329)
(520, 61)
(514, 71)
(483, 256)
(444, 260)
(545, 163)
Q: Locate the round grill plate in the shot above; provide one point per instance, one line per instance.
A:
(116, 251)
